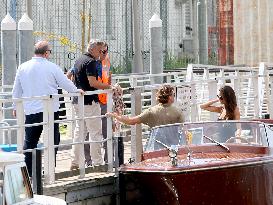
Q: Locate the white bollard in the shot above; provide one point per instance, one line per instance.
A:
(156, 51)
(25, 28)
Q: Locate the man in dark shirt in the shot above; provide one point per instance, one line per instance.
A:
(86, 78)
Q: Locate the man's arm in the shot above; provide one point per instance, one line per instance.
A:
(69, 75)
(91, 73)
(93, 82)
(64, 82)
(125, 119)
(17, 91)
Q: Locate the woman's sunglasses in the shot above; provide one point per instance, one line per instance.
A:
(220, 97)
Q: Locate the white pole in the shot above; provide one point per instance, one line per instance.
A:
(137, 58)
(109, 132)
(156, 51)
(25, 28)
(9, 65)
(29, 8)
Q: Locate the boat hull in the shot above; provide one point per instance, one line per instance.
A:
(244, 184)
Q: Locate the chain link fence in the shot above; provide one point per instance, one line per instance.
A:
(70, 24)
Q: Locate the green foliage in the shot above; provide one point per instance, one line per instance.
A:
(173, 62)
(63, 129)
(213, 60)
(122, 69)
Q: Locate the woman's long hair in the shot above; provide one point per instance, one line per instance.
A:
(229, 100)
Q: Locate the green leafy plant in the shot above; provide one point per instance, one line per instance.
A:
(63, 129)
(173, 62)
(122, 69)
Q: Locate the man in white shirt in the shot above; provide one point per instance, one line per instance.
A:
(39, 77)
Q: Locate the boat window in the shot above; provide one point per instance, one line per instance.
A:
(168, 135)
(247, 133)
(269, 133)
(17, 187)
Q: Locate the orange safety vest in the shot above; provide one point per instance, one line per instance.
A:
(105, 78)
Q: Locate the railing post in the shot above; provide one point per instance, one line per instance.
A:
(189, 75)
(221, 75)
(153, 96)
(109, 132)
(237, 85)
(270, 98)
(190, 79)
(256, 99)
(248, 95)
(48, 128)
(194, 108)
(261, 81)
(133, 81)
(183, 100)
(212, 87)
(205, 78)
(267, 89)
(20, 121)
(81, 133)
(136, 132)
(168, 79)
(2, 132)
(114, 80)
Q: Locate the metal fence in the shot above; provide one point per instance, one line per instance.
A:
(69, 24)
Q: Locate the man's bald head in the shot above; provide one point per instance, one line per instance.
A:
(41, 47)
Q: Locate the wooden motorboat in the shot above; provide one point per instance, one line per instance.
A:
(219, 163)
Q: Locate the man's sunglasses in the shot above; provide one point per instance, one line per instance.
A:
(104, 51)
(220, 97)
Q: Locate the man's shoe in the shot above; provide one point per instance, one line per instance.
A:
(88, 164)
(73, 167)
(97, 165)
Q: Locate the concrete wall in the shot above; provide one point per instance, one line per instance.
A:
(98, 190)
(253, 28)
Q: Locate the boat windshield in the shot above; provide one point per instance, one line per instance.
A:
(250, 133)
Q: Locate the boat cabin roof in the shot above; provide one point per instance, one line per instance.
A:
(7, 158)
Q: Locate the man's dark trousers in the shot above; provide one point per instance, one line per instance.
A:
(33, 135)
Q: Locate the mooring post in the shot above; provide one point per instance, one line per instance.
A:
(137, 57)
(8, 48)
(156, 51)
(25, 28)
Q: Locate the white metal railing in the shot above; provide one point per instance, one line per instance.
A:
(199, 84)
(48, 130)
